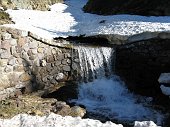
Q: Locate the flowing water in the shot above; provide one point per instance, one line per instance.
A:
(107, 95)
(95, 62)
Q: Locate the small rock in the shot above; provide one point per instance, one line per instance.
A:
(5, 45)
(12, 50)
(77, 111)
(66, 68)
(7, 36)
(22, 41)
(50, 59)
(19, 68)
(57, 63)
(67, 55)
(25, 77)
(60, 57)
(34, 51)
(54, 51)
(3, 62)
(43, 63)
(33, 45)
(8, 69)
(40, 50)
(5, 55)
(59, 76)
(12, 61)
(64, 62)
(13, 42)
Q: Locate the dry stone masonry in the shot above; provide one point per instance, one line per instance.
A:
(29, 63)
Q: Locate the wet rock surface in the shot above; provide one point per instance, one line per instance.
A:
(141, 64)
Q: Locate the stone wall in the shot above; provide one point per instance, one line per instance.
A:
(141, 63)
(29, 63)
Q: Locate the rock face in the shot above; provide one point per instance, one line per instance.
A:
(135, 7)
(142, 62)
(29, 4)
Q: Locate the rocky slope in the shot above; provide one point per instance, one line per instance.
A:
(28, 4)
(5, 19)
(135, 7)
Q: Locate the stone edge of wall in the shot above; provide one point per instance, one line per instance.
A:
(116, 39)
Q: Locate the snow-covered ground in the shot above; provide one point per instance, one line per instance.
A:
(53, 120)
(69, 20)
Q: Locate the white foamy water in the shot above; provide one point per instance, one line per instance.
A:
(108, 97)
(95, 62)
(111, 99)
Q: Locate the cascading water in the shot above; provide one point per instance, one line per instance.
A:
(108, 97)
(95, 62)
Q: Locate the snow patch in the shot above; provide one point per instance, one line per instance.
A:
(145, 124)
(164, 78)
(69, 20)
(59, 7)
(165, 90)
(53, 120)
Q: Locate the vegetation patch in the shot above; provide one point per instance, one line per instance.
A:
(5, 18)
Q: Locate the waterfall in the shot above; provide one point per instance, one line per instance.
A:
(108, 97)
(95, 62)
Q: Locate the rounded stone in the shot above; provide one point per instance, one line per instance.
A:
(66, 68)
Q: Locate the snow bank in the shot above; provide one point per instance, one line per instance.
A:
(69, 20)
(145, 124)
(165, 90)
(164, 78)
(53, 120)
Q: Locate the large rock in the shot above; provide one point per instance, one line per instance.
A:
(135, 7)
